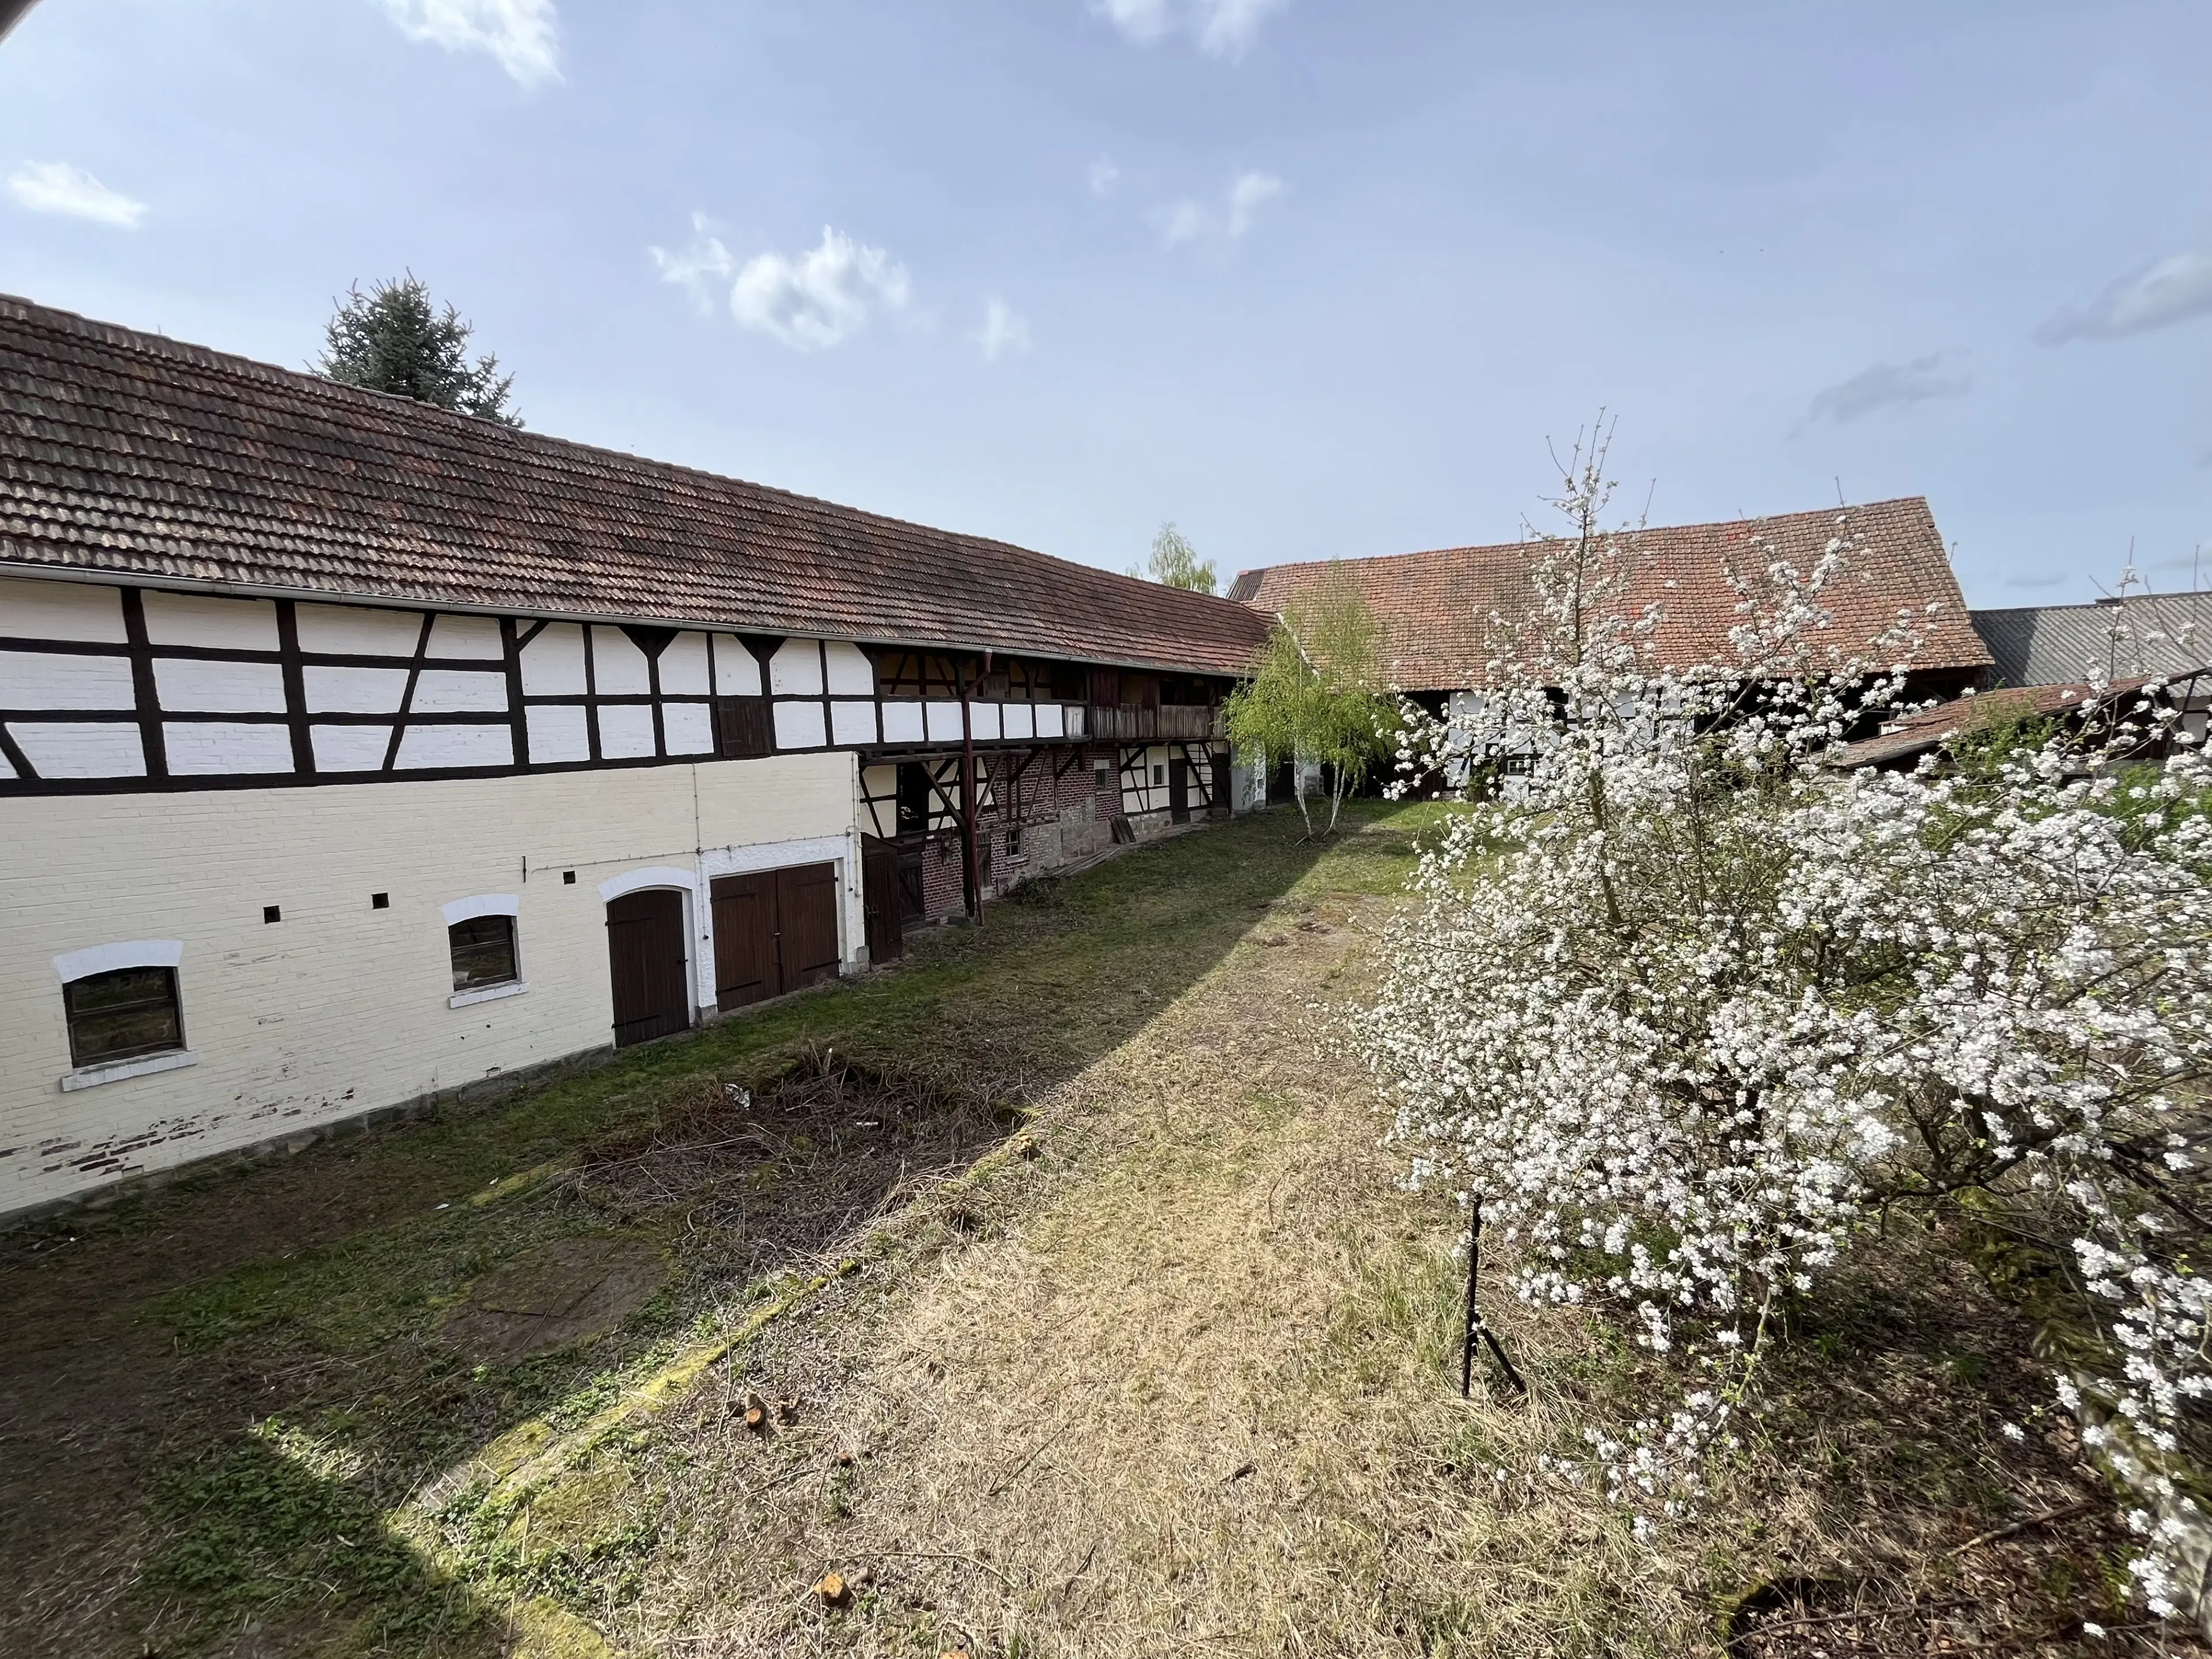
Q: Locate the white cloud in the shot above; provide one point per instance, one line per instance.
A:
(1245, 196)
(701, 268)
(1888, 386)
(2174, 290)
(1221, 28)
(522, 35)
(820, 297)
(1142, 21)
(1227, 29)
(1003, 329)
(1189, 220)
(57, 187)
(1103, 173)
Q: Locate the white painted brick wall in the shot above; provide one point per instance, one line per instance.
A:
(340, 1008)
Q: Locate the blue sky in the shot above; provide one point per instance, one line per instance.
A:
(1308, 278)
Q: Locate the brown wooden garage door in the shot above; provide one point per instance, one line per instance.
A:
(775, 931)
(645, 958)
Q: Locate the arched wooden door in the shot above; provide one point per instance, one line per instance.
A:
(645, 958)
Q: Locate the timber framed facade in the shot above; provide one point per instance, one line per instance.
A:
(353, 753)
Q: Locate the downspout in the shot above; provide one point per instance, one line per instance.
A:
(971, 879)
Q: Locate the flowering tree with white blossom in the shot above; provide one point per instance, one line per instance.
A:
(1694, 1005)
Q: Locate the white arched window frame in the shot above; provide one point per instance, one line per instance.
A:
(74, 965)
(469, 910)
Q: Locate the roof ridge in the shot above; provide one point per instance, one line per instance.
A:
(1920, 501)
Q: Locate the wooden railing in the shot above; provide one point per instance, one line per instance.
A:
(1119, 723)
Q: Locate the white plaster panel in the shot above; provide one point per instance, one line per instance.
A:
(618, 668)
(903, 722)
(557, 732)
(1049, 722)
(799, 726)
(210, 748)
(1020, 720)
(195, 619)
(689, 727)
(852, 722)
(737, 671)
(41, 679)
(352, 630)
(459, 691)
(683, 667)
(422, 747)
(199, 687)
(60, 610)
(944, 721)
(795, 670)
(626, 731)
(483, 904)
(851, 674)
(983, 717)
(553, 663)
(73, 965)
(466, 636)
(94, 748)
(354, 690)
(349, 748)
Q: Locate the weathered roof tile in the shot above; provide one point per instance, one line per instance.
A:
(134, 454)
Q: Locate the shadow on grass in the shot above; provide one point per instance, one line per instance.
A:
(213, 1396)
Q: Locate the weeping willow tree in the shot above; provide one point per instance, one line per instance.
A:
(1316, 695)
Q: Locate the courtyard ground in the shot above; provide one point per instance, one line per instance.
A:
(1051, 1291)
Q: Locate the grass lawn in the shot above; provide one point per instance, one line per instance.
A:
(1051, 1290)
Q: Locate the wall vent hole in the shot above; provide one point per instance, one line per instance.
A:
(567, 878)
(380, 901)
(272, 913)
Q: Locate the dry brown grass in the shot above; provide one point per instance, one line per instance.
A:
(1180, 1382)
(1179, 1386)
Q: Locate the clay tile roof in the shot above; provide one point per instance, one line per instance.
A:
(133, 455)
(1436, 609)
(1916, 734)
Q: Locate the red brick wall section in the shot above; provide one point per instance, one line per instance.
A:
(1042, 798)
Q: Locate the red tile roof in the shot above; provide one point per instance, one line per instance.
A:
(1437, 608)
(1916, 734)
(132, 455)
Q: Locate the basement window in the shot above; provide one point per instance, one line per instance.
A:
(125, 1014)
(484, 953)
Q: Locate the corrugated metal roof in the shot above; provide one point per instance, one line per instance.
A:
(2149, 634)
(133, 456)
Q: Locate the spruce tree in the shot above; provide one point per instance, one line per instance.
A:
(393, 339)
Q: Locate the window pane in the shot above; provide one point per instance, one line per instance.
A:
(484, 951)
(119, 1015)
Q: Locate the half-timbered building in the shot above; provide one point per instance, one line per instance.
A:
(352, 752)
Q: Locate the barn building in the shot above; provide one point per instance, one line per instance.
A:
(1437, 610)
(353, 753)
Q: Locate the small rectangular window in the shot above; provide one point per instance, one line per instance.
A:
(1013, 841)
(483, 952)
(1159, 775)
(122, 1015)
(1103, 779)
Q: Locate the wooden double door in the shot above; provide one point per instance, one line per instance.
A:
(775, 931)
(645, 959)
